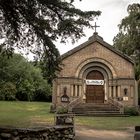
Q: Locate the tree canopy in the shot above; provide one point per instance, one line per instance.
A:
(20, 80)
(128, 38)
(35, 24)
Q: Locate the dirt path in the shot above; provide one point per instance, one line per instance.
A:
(84, 133)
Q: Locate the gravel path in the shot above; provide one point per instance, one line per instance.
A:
(84, 133)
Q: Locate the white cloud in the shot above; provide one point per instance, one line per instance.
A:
(112, 13)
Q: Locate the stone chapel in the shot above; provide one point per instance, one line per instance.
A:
(95, 73)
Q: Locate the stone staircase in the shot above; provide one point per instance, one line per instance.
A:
(100, 109)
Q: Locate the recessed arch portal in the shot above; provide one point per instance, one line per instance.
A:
(95, 62)
(104, 68)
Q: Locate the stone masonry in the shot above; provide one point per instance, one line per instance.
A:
(96, 55)
(49, 133)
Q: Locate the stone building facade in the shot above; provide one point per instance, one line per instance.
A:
(95, 72)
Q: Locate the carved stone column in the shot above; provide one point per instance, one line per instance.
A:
(71, 91)
(75, 90)
(80, 90)
(110, 91)
(119, 91)
(114, 91)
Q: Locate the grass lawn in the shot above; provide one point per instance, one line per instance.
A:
(25, 114)
(32, 114)
(109, 123)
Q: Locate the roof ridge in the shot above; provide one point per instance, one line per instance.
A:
(96, 38)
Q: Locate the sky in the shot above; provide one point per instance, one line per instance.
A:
(113, 11)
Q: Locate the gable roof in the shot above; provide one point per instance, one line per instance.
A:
(99, 39)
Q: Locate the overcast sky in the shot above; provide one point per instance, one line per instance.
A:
(112, 13)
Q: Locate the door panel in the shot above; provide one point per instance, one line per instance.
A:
(95, 93)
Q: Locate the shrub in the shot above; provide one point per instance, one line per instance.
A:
(62, 110)
(139, 94)
(22, 96)
(52, 108)
(132, 111)
(43, 91)
(41, 95)
(8, 92)
(2, 96)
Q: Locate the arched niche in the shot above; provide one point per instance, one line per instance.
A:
(101, 64)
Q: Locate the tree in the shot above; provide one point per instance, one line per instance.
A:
(128, 39)
(7, 91)
(20, 80)
(35, 24)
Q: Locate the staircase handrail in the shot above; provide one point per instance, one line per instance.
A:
(117, 104)
(74, 103)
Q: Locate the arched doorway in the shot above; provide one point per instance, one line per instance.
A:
(94, 87)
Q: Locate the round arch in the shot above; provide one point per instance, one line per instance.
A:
(102, 64)
(106, 77)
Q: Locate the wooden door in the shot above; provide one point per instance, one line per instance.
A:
(95, 93)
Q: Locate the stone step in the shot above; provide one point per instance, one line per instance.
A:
(111, 110)
(79, 107)
(103, 115)
(94, 113)
(96, 110)
(95, 105)
(100, 111)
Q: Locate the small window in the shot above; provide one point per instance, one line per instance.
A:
(73, 90)
(117, 91)
(77, 90)
(125, 92)
(112, 91)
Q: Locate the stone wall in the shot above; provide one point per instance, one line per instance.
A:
(122, 67)
(137, 133)
(47, 133)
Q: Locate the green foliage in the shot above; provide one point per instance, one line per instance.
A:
(43, 92)
(137, 71)
(9, 91)
(122, 42)
(127, 40)
(62, 110)
(49, 67)
(36, 24)
(132, 111)
(47, 19)
(139, 92)
(2, 96)
(21, 80)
